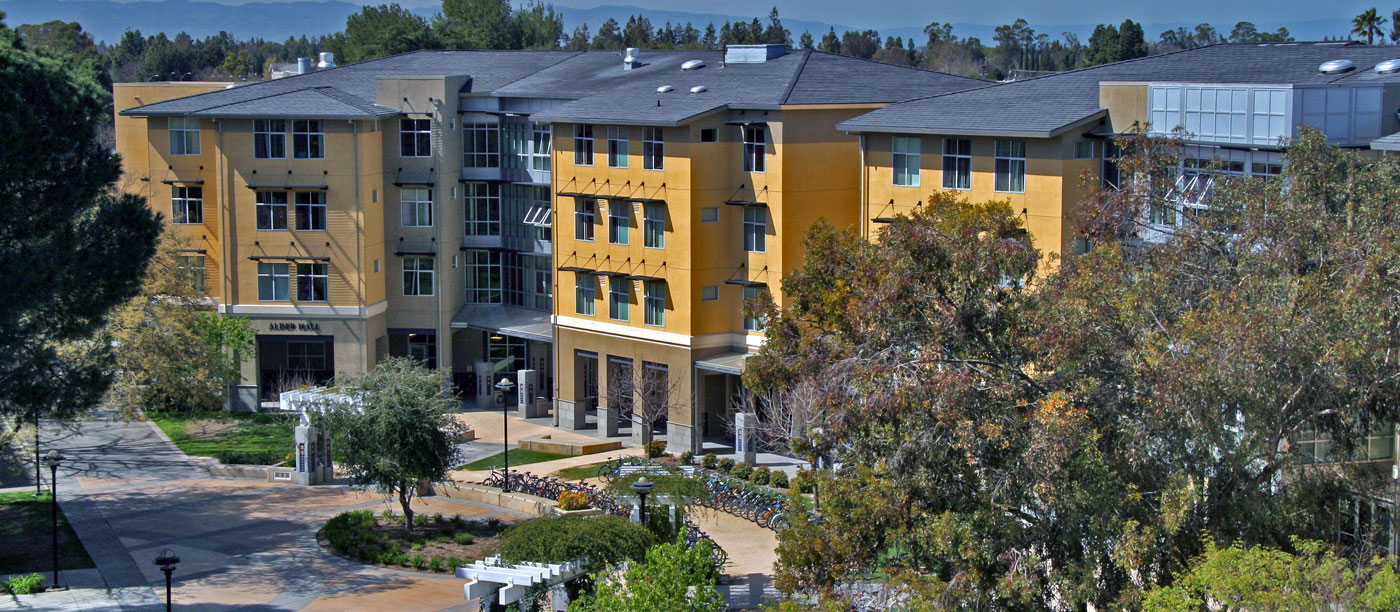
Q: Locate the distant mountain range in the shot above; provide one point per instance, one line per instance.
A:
(107, 20)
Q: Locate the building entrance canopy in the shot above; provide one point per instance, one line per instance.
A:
(508, 320)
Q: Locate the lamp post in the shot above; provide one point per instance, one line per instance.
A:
(642, 486)
(53, 459)
(167, 561)
(505, 386)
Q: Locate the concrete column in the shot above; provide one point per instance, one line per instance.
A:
(526, 385)
(485, 378)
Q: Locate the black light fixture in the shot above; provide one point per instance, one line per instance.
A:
(505, 386)
(167, 561)
(53, 459)
(642, 486)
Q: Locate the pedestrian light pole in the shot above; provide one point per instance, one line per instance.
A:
(642, 486)
(505, 386)
(167, 561)
(53, 459)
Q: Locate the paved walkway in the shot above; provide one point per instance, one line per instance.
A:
(243, 544)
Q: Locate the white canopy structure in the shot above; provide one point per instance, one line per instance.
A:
(513, 581)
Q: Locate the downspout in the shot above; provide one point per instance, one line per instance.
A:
(864, 195)
(554, 278)
(366, 341)
(225, 249)
(440, 341)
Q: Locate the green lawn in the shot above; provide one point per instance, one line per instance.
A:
(517, 457)
(215, 433)
(25, 528)
(580, 472)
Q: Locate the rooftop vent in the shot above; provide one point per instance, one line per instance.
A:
(327, 61)
(698, 89)
(693, 65)
(665, 89)
(633, 59)
(752, 54)
(1336, 66)
(304, 65)
(1388, 66)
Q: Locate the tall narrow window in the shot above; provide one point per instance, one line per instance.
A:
(653, 149)
(754, 148)
(308, 140)
(418, 207)
(417, 276)
(416, 137)
(654, 226)
(619, 217)
(584, 211)
(311, 210)
(539, 147)
(1011, 166)
(755, 229)
(617, 146)
(483, 209)
(270, 138)
(655, 303)
(957, 163)
(481, 145)
(583, 144)
(585, 292)
(271, 209)
(187, 205)
(272, 282)
(619, 295)
(752, 323)
(906, 161)
(191, 268)
(313, 282)
(483, 276)
(184, 136)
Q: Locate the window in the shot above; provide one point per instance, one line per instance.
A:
(585, 291)
(655, 303)
(539, 147)
(187, 205)
(1318, 447)
(418, 208)
(709, 214)
(1088, 149)
(709, 294)
(957, 163)
(416, 137)
(483, 276)
(1011, 166)
(906, 161)
(754, 149)
(184, 136)
(271, 209)
(584, 211)
(308, 141)
(619, 217)
(306, 359)
(483, 202)
(311, 210)
(617, 146)
(481, 146)
(653, 149)
(313, 282)
(191, 267)
(583, 144)
(709, 135)
(417, 276)
(755, 229)
(753, 323)
(1082, 246)
(269, 139)
(423, 347)
(272, 282)
(619, 294)
(654, 226)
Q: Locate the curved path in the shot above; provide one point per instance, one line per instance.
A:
(243, 544)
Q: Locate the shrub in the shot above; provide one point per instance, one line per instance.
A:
(655, 448)
(742, 471)
(778, 480)
(463, 538)
(25, 585)
(805, 481)
(416, 546)
(687, 458)
(760, 475)
(436, 565)
(709, 461)
(572, 500)
(419, 561)
(726, 464)
(230, 457)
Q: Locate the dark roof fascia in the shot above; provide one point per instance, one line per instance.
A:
(614, 121)
(1102, 112)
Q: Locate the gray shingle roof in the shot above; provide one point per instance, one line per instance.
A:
(598, 88)
(1043, 105)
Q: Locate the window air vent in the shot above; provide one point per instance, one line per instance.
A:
(664, 89)
(693, 65)
(1336, 66)
(1388, 66)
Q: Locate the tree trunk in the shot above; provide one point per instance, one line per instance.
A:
(404, 499)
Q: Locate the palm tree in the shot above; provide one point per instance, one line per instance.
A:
(1368, 24)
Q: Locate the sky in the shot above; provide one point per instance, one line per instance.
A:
(897, 13)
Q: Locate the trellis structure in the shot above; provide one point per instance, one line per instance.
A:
(512, 582)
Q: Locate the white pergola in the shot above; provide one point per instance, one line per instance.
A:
(513, 581)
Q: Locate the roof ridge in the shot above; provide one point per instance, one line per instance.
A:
(796, 76)
(889, 65)
(574, 53)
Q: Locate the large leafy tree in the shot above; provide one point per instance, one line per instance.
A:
(387, 29)
(673, 576)
(71, 246)
(1030, 434)
(400, 434)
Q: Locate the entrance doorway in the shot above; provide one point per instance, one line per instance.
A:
(292, 362)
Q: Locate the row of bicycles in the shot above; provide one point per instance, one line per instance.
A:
(550, 488)
(767, 508)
